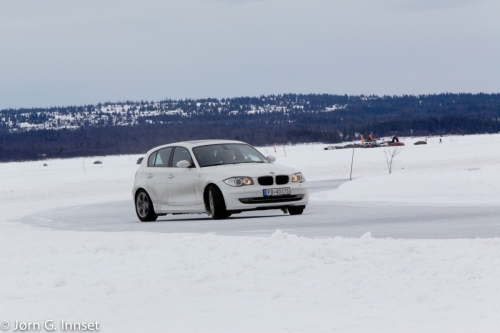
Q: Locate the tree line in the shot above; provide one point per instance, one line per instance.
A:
(281, 119)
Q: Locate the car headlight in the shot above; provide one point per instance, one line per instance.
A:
(239, 181)
(298, 178)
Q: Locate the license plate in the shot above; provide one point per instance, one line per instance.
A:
(277, 191)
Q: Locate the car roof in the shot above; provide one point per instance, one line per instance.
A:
(197, 143)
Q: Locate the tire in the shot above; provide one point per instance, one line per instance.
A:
(144, 207)
(216, 203)
(296, 210)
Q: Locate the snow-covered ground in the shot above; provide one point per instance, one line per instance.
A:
(139, 282)
(460, 170)
(157, 282)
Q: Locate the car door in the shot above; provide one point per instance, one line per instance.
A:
(156, 175)
(181, 181)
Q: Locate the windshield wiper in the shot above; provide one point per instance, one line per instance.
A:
(209, 165)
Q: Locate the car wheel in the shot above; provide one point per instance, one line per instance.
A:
(216, 203)
(144, 207)
(295, 210)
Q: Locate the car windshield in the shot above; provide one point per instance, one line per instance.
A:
(232, 153)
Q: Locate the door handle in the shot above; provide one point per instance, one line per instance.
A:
(149, 175)
(170, 176)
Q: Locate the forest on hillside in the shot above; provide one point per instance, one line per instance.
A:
(135, 127)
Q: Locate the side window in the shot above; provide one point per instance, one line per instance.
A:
(163, 157)
(181, 154)
(151, 159)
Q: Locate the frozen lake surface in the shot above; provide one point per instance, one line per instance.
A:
(413, 251)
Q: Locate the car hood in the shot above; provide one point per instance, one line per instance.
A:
(250, 169)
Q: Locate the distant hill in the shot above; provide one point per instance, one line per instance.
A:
(135, 127)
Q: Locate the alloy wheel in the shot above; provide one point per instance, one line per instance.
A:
(142, 204)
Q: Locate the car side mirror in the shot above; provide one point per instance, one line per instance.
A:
(183, 164)
(271, 158)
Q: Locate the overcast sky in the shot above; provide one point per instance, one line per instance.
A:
(62, 52)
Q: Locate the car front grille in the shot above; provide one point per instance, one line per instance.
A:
(282, 180)
(266, 180)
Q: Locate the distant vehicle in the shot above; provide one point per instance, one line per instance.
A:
(395, 142)
(333, 147)
(139, 161)
(45, 164)
(371, 145)
(420, 143)
(97, 162)
(216, 177)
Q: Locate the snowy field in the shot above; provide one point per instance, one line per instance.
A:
(154, 282)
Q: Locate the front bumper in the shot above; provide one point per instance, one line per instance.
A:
(252, 197)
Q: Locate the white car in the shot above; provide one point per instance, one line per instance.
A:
(216, 177)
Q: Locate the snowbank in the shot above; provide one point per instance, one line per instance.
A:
(460, 170)
(138, 282)
(476, 186)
